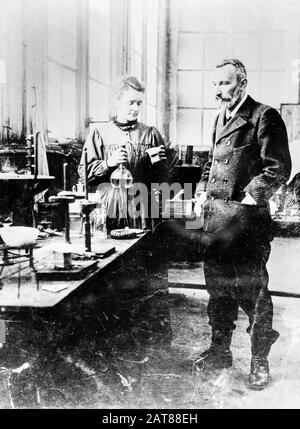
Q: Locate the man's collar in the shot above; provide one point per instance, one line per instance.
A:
(234, 111)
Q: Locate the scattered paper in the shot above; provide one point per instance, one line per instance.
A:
(55, 288)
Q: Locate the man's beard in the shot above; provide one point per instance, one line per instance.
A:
(229, 102)
(221, 103)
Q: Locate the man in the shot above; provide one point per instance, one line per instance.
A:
(248, 161)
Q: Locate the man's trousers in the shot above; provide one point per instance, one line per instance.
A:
(239, 278)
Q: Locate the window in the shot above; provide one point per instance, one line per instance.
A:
(143, 51)
(99, 50)
(62, 69)
(262, 35)
(71, 51)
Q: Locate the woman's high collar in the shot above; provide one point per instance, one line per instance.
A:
(125, 126)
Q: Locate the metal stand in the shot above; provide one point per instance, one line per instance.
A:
(64, 198)
(64, 268)
(86, 208)
(10, 258)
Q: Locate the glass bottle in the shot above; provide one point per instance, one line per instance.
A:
(121, 178)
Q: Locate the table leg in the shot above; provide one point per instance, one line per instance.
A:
(19, 277)
(31, 264)
(2, 333)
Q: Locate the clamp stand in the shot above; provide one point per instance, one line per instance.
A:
(65, 269)
(86, 208)
(64, 198)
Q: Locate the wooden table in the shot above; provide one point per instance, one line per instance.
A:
(33, 294)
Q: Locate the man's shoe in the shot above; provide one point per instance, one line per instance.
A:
(259, 376)
(214, 358)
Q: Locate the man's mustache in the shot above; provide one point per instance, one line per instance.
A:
(222, 99)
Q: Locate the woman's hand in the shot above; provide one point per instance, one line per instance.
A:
(157, 153)
(119, 156)
(161, 152)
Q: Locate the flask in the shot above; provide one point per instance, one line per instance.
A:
(121, 177)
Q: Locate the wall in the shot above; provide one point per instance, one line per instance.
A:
(58, 59)
(264, 34)
(11, 72)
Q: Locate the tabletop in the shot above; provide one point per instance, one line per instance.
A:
(20, 287)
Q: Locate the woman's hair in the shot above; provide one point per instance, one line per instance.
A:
(120, 86)
(126, 82)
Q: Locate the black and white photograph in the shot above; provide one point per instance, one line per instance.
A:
(149, 207)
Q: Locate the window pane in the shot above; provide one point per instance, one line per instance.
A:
(151, 115)
(152, 35)
(189, 126)
(152, 11)
(61, 101)
(54, 100)
(68, 103)
(273, 51)
(253, 84)
(250, 57)
(54, 30)
(151, 84)
(209, 117)
(69, 24)
(99, 101)
(62, 31)
(100, 10)
(217, 46)
(189, 89)
(209, 90)
(269, 81)
(99, 51)
(136, 65)
(136, 25)
(190, 51)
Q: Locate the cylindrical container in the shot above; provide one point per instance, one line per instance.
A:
(189, 155)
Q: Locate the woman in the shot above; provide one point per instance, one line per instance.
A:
(125, 141)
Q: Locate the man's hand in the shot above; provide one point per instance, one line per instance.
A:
(249, 200)
(118, 157)
(200, 200)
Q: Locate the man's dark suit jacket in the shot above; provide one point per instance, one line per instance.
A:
(249, 154)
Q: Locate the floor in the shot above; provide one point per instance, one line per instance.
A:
(131, 349)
